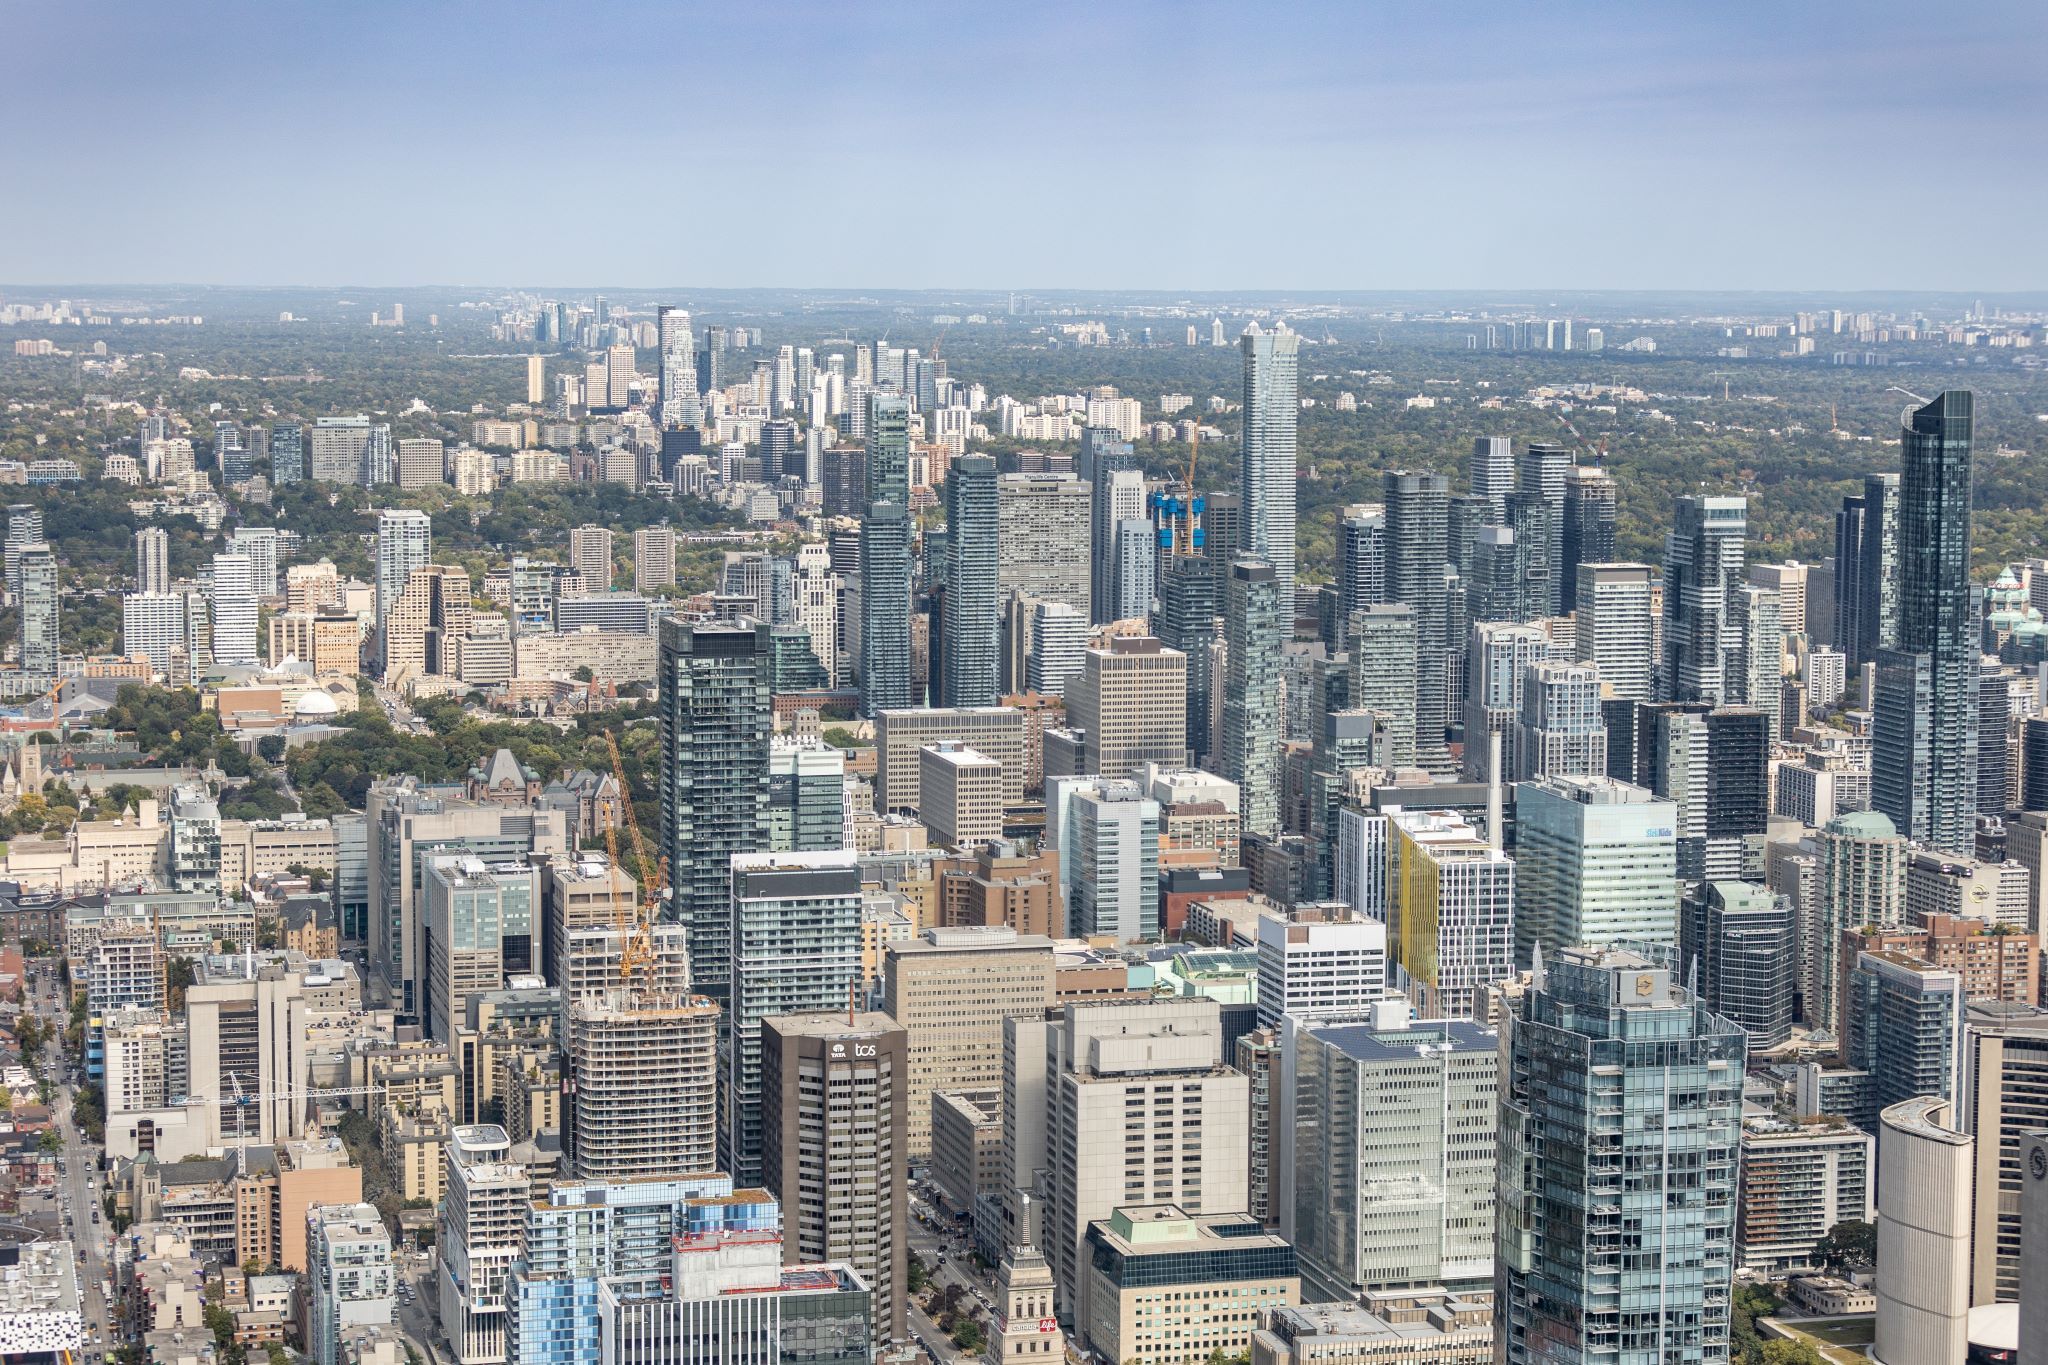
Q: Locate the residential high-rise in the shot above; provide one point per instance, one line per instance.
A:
(1418, 507)
(796, 935)
(1561, 731)
(1256, 623)
(1615, 1080)
(886, 678)
(1272, 411)
(1867, 570)
(1924, 744)
(1588, 536)
(1450, 912)
(350, 1281)
(645, 1070)
(479, 1229)
(152, 560)
(1498, 657)
(951, 989)
(1058, 647)
(1617, 627)
(1490, 473)
(42, 612)
(1537, 513)
(421, 463)
(337, 448)
(590, 555)
(835, 1110)
(678, 359)
(1361, 560)
(715, 722)
(1596, 862)
(973, 619)
(654, 558)
(1116, 495)
(1702, 567)
(1128, 700)
(1798, 1181)
(1756, 656)
(1383, 674)
(153, 627)
(233, 600)
(1903, 1024)
(1745, 942)
(1042, 538)
(420, 632)
(287, 453)
(1387, 1151)
(405, 541)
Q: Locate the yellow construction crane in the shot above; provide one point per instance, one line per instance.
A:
(637, 955)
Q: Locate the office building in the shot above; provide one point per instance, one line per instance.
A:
(1450, 911)
(1798, 1181)
(1257, 621)
(1163, 1286)
(350, 1280)
(1272, 410)
(715, 722)
(479, 919)
(1996, 893)
(2004, 1096)
(1182, 1139)
(1702, 568)
(1923, 1232)
(1386, 1150)
(1744, 940)
(1418, 508)
(960, 795)
(951, 989)
(973, 618)
(835, 1110)
(1128, 702)
(1924, 741)
(796, 935)
(1596, 862)
(1616, 1085)
(1109, 857)
(1057, 649)
(995, 732)
(1318, 961)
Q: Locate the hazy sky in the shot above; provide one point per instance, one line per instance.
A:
(1246, 145)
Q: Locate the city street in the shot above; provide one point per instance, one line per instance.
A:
(78, 1192)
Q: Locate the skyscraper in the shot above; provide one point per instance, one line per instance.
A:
(1450, 914)
(1616, 1081)
(1540, 479)
(1866, 570)
(1617, 627)
(1588, 535)
(1361, 560)
(654, 558)
(1418, 506)
(287, 453)
(715, 722)
(1116, 495)
(1596, 862)
(1126, 700)
(1924, 750)
(1383, 673)
(644, 1070)
(405, 541)
(886, 679)
(973, 618)
(888, 449)
(1702, 566)
(590, 554)
(24, 528)
(679, 396)
(1561, 732)
(152, 560)
(1254, 628)
(234, 611)
(42, 610)
(1490, 473)
(1744, 941)
(1272, 409)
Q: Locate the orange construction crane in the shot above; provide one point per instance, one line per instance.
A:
(638, 953)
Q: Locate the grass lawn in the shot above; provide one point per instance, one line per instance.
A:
(1842, 1332)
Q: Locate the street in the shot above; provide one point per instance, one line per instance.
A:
(78, 1194)
(945, 1251)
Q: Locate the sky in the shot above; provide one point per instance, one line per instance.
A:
(975, 144)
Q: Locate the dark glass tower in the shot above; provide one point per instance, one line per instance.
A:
(1188, 606)
(1417, 549)
(1589, 506)
(973, 615)
(885, 672)
(1924, 750)
(715, 720)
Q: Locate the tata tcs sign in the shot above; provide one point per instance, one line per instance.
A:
(840, 1051)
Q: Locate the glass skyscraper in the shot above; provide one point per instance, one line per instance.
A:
(1924, 751)
(1702, 564)
(1253, 632)
(1272, 410)
(885, 674)
(1418, 511)
(973, 611)
(715, 722)
(1620, 1120)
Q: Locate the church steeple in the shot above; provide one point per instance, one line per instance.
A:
(1026, 1331)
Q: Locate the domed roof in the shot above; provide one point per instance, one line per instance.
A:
(315, 702)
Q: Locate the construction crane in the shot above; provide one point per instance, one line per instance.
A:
(1187, 529)
(637, 954)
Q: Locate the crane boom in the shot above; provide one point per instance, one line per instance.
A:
(638, 953)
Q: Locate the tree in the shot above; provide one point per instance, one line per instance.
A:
(915, 1275)
(1798, 1351)
(51, 1141)
(968, 1336)
(1850, 1245)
